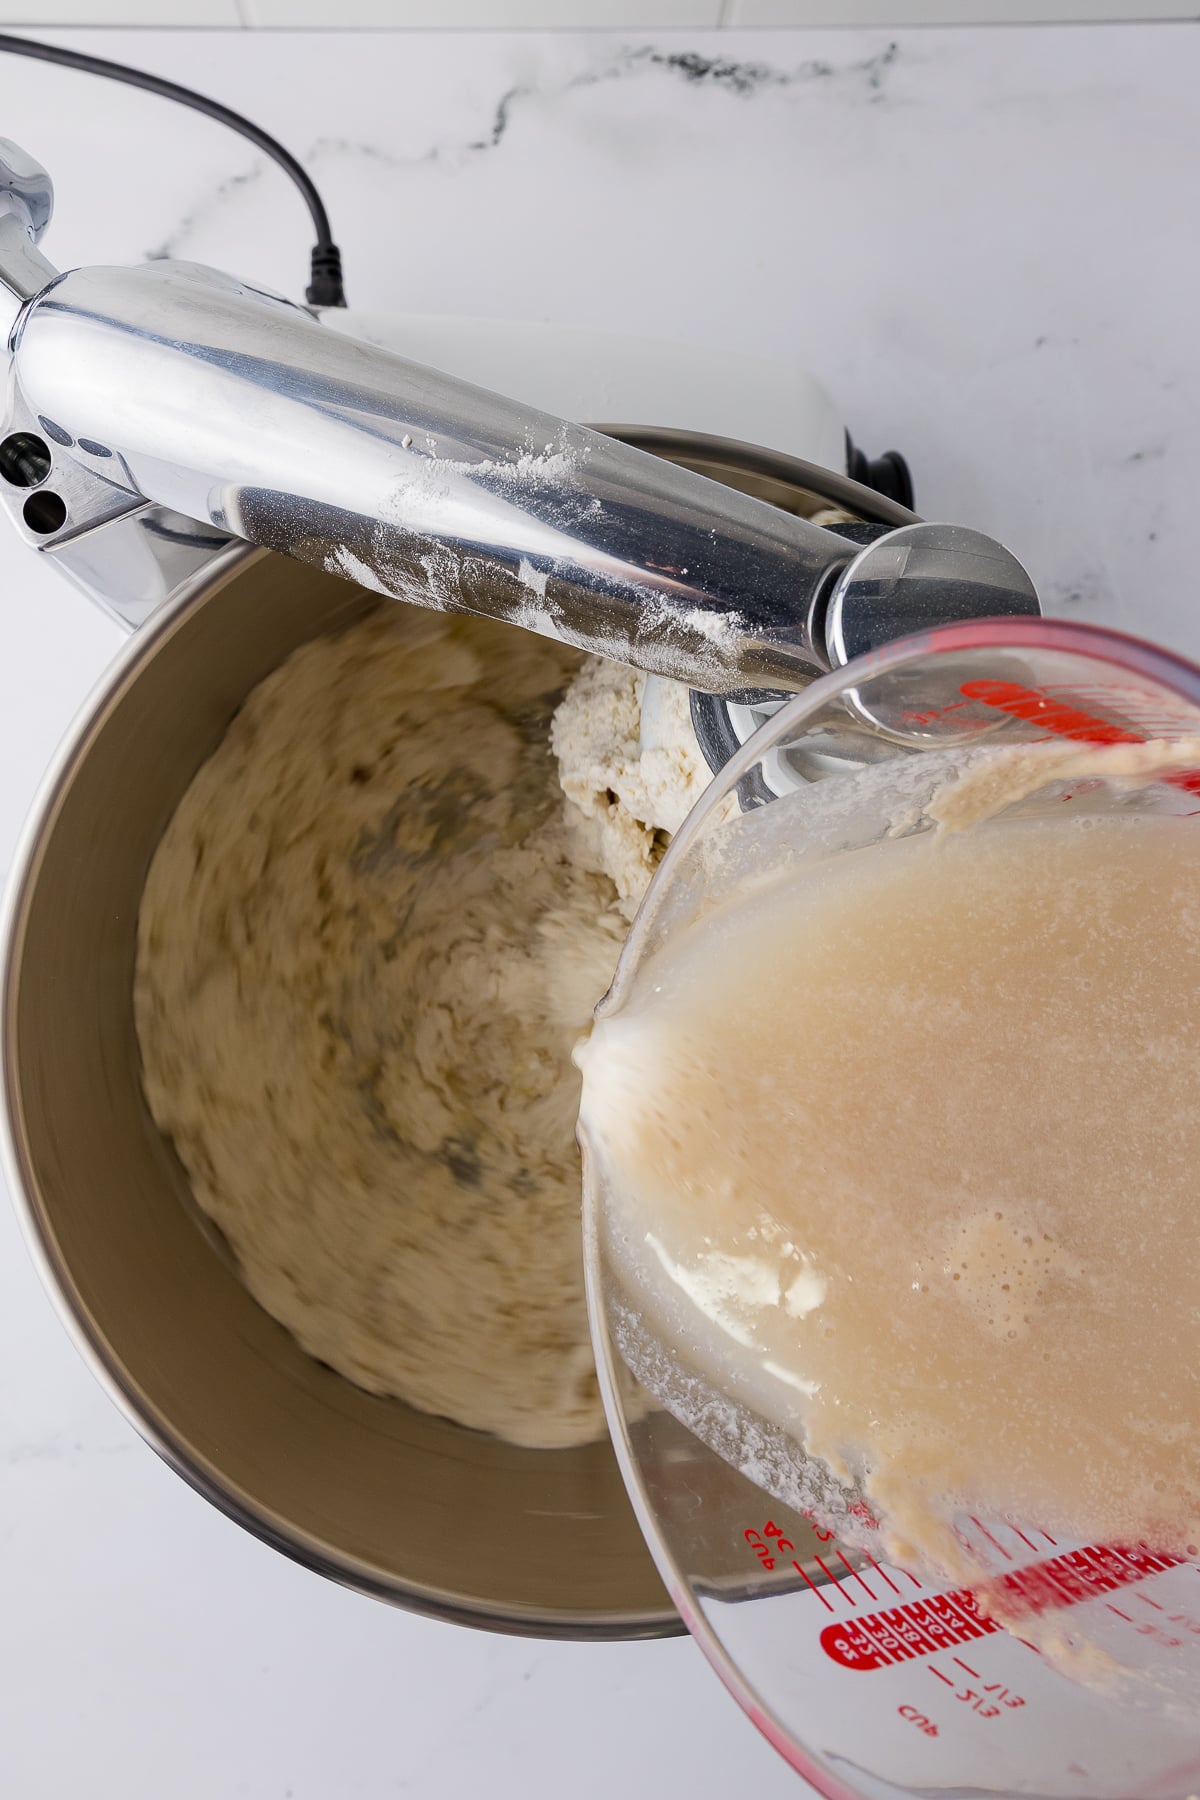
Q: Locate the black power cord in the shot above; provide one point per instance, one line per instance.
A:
(325, 284)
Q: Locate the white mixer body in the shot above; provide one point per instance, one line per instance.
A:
(608, 378)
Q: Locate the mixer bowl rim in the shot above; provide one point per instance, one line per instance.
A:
(53, 1268)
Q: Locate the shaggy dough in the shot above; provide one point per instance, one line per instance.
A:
(369, 940)
(630, 764)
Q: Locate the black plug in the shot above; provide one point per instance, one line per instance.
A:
(888, 474)
(325, 285)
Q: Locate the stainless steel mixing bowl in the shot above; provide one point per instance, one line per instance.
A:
(367, 1490)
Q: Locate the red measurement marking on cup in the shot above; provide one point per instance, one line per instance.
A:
(1063, 719)
(988, 1700)
(902, 1633)
(1184, 1621)
(884, 1576)
(1138, 708)
(768, 1543)
(1077, 1575)
(852, 1571)
(828, 1573)
(994, 1542)
(946, 1621)
(821, 1596)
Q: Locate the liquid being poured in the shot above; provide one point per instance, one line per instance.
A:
(903, 1152)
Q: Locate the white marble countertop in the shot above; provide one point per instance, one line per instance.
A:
(984, 242)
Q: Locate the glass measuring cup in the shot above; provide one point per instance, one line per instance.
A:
(871, 1679)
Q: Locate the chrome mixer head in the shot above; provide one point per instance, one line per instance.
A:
(904, 580)
(175, 407)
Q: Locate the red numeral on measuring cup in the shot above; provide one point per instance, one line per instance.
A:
(762, 1549)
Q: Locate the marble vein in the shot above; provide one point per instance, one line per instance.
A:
(742, 79)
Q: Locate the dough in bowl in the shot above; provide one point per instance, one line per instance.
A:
(370, 937)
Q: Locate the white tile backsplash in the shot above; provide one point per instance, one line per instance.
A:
(650, 15)
(40, 15)
(743, 13)
(542, 15)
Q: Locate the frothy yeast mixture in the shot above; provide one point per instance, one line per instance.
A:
(904, 1152)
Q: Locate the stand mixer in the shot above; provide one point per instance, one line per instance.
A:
(143, 403)
(356, 1487)
(157, 416)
